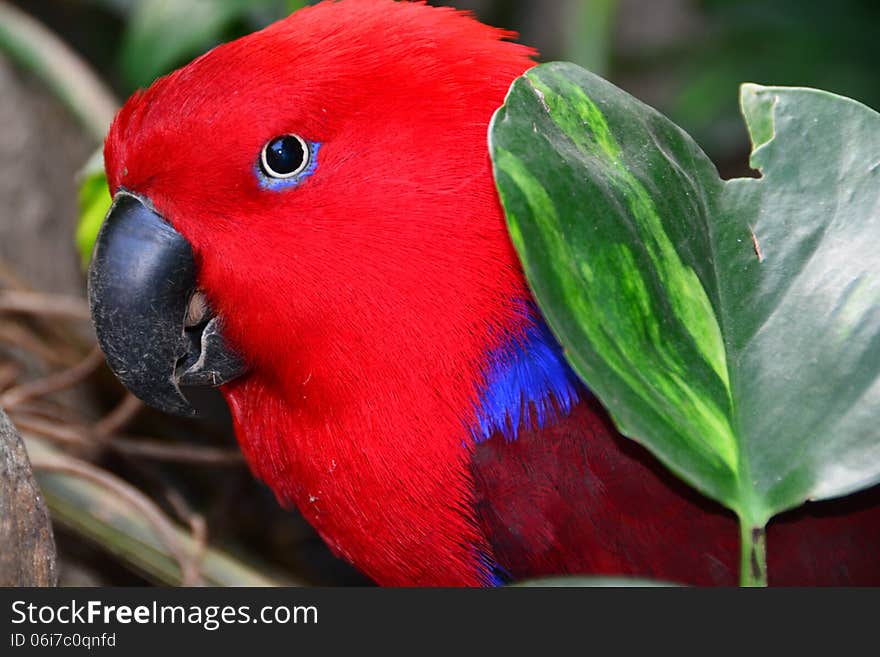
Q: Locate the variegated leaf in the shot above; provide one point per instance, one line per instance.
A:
(732, 327)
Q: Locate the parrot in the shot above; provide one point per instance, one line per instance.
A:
(306, 218)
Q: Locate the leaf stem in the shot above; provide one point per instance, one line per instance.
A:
(753, 554)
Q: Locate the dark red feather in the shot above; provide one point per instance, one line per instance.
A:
(598, 503)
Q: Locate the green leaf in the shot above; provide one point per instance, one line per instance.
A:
(94, 202)
(733, 327)
(162, 34)
(588, 31)
(756, 39)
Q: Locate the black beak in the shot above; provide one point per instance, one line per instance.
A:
(142, 282)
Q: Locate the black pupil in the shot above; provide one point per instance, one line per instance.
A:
(285, 154)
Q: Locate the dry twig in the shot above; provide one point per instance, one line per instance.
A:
(85, 437)
(54, 382)
(145, 506)
(44, 305)
(119, 417)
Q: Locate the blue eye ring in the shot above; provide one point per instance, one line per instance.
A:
(285, 161)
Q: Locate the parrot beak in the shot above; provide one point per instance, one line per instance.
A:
(152, 323)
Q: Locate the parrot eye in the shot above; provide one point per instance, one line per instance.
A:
(285, 156)
(285, 161)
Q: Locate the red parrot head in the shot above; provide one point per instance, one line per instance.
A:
(307, 217)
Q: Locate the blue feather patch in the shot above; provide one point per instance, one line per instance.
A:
(522, 373)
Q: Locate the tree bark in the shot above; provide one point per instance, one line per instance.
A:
(27, 546)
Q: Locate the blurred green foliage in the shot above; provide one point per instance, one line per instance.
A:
(687, 58)
(828, 44)
(162, 34)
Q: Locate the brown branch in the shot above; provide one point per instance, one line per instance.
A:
(49, 410)
(55, 382)
(52, 431)
(84, 437)
(159, 450)
(9, 373)
(73, 345)
(17, 336)
(120, 416)
(44, 305)
(198, 529)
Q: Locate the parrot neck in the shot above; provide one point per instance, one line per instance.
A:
(388, 491)
(528, 383)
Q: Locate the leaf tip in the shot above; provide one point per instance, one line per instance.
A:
(756, 103)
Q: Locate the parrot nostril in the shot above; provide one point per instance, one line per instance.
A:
(197, 310)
